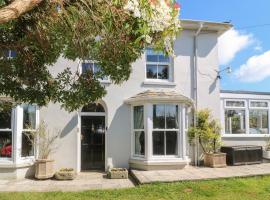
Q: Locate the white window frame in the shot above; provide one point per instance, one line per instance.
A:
(247, 108)
(137, 130)
(17, 129)
(260, 108)
(11, 159)
(94, 63)
(177, 130)
(170, 70)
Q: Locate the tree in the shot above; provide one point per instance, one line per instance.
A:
(113, 33)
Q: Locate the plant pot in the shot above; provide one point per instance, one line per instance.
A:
(44, 169)
(65, 174)
(215, 160)
(266, 154)
(118, 173)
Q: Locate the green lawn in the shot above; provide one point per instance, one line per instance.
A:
(232, 189)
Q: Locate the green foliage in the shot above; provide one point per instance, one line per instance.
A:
(207, 131)
(102, 31)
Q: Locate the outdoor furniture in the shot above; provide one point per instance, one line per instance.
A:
(242, 155)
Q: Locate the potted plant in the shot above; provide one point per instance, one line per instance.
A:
(43, 142)
(266, 151)
(118, 173)
(65, 174)
(207, 133)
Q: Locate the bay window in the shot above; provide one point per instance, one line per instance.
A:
(165, 129)
(15, 125)
(138, 130)
(5, 133)
(29, 125)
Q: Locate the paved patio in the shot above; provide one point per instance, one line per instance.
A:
(200, 173)
(84, 181)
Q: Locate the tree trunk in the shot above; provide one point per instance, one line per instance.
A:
(16, 9)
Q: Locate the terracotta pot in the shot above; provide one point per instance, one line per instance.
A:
(215, 160)
(44, 169)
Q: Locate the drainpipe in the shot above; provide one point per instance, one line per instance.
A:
(195, 90)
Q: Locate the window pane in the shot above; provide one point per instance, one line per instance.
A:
(152, 58)
(5, 119)
(93, 107)
(259, 104)
(164, 58)
(5, 144)
(258, 121)
(13, 54)
(27, 147)
(162, 72)
(87, 67)
(139, 142)
(158, 143)
(235, 121)
(138, 117)
(151, 71)
(171, 116)
(159, 116)
(235, 103)
(171, 143)
(29, 116)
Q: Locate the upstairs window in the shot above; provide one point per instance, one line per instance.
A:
(9, 54)
(157, 65)
(93, 67)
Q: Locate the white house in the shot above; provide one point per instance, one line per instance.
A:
(141, 123)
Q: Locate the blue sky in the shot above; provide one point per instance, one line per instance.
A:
(246, 48)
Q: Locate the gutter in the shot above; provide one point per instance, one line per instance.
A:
(195, 89)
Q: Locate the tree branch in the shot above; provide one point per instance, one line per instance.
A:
(16, 9)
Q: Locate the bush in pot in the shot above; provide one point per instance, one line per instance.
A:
(43, 142)
(207, 133)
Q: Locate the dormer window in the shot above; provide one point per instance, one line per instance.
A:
(94, 68)
(157, 65)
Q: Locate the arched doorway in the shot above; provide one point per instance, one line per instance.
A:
(93, 137)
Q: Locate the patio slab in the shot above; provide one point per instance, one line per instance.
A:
(84, 181)
(200, 173)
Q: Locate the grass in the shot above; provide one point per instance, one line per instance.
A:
(225, 189)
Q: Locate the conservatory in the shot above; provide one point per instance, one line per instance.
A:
(159, 125)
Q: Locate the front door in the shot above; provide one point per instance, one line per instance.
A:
(92, 143)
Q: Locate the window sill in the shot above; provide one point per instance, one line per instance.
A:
(166, 83)
(11, 165)
(245, 135)
(105, 81)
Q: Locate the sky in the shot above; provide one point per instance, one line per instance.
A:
(246, 47)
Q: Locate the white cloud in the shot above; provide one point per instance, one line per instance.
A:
(256, 69)
(230, 43)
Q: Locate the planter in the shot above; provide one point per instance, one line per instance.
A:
(215, 160)
(118, 173)
(266, 154)
(44, 169)
(65, 174)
